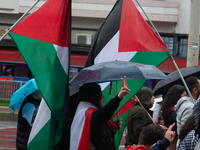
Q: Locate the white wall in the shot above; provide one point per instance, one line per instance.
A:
(182, 26)
(10, 10)
(9, 6)
(88, 23)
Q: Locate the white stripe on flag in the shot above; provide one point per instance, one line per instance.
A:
(110, 52)
(78, 124)
(40, 120)
(63, 55)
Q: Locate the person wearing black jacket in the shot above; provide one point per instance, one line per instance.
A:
(26, 116)
(99, 136)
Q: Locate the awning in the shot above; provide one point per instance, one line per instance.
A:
(13, 56)
(10, 56)
(78, 59)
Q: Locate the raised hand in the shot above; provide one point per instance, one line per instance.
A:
(124, 90)
(169, 134)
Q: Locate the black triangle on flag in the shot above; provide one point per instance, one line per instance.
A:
(125, 30)
(107, 30)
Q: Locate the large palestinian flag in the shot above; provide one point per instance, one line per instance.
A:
(43, 41)
(126, 36)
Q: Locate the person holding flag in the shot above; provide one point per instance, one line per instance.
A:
(89, 129)
(138, 118)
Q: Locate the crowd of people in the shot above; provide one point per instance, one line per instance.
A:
(91, 127)
(178, 112)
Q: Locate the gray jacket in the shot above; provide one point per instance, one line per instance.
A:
(183, 110)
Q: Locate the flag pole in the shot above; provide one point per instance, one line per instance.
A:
(170, 54)
(117, 107)
(8, 30)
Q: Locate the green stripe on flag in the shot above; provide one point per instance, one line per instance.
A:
(119, 133)
(47, 140)
(150, 58)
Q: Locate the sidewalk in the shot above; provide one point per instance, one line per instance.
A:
(8, 128)
(8, 132)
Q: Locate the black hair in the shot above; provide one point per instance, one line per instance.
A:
(171, 98)
(192, 82)
(91, 92)
(151, 134)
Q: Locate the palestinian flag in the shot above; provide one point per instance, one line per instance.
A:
(43, 41)
(126, 36)
(80, 128)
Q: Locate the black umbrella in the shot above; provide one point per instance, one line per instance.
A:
(115, 70)
(163, 85)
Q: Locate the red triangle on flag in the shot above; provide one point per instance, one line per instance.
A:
(50, 23)
(135, 34)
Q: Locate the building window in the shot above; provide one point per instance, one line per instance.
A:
(6, 70)
(21, 70)
(177, 45)
(169, 42)
(73, 72)
(181, 48)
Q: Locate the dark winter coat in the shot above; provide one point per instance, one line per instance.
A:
(23, 127)
(99, 118)
(138, 118)
(170, 118)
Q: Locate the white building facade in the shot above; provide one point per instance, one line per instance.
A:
(170, 17)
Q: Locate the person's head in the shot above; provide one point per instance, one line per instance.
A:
(91, 92)
(150, 135)
(193, 84)
(187, 127)
(172, 97)
(146, 97)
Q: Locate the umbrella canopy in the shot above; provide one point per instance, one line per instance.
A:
(19, 96)
(115, 70)
(163, 85)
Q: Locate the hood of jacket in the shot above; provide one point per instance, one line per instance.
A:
(145, 94)
(183, 100)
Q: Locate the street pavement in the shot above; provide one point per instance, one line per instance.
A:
(7, 135)
(8, 129)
